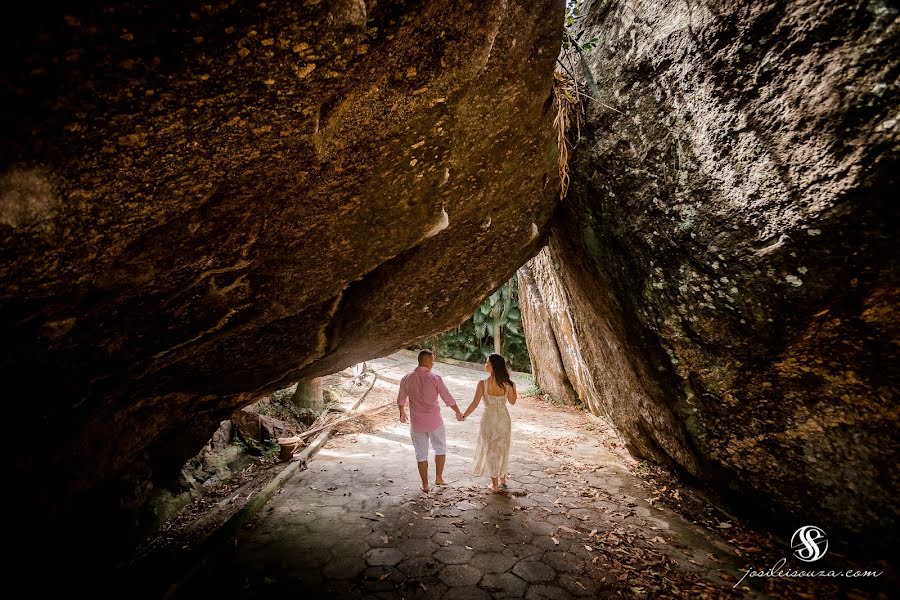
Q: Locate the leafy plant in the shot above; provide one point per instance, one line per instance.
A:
(495, 326)
(572, 43)
(533, 389)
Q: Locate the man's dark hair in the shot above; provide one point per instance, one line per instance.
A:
(424, 354)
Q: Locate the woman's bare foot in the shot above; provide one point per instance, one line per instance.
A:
(496, 490)
(503, 481)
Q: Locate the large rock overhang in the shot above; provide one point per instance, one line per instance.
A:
(202, 202)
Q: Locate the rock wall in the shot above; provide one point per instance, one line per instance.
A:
(724, 267)
(547, 352)
(601, 366)
(200, 203)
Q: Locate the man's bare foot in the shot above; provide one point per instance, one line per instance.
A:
(440, 482)
(424, 487)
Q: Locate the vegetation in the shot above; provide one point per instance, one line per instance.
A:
(495, 326)
(566, 92)
(574, 44)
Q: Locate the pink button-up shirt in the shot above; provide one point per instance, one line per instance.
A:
(422, 388)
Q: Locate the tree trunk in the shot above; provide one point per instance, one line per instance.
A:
(497, 335)
(309, 395)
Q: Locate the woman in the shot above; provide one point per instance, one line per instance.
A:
(492, 451)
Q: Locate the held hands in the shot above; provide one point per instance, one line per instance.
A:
(460, 416)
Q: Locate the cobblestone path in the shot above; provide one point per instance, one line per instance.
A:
(575, 523)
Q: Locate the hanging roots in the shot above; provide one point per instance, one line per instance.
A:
(565, 93)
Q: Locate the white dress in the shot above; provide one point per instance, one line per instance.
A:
(492, 450)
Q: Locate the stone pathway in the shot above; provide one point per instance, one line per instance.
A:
(575, 522)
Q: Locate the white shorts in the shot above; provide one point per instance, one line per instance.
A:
(420, 439)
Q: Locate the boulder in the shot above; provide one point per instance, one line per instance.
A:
(201, 203)
(728, 250)
(547, 353)
(252, 426)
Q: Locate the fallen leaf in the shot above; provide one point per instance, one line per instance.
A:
(379, 514)
(588, 548)
(469, 548)
(385, 576)
(555, 541)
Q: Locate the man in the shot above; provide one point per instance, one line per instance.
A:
(422, 388)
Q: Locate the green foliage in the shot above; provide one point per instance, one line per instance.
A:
(533, 388)
(574, 13)
(474, 340)
(266, 450)
(572, 43)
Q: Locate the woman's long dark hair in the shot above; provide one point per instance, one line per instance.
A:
(498, 366)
